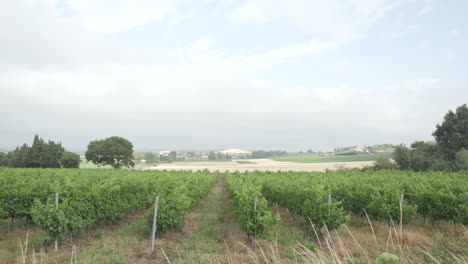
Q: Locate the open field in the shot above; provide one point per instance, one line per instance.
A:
(313, 158)
(259, 165)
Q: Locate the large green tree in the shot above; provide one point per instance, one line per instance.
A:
(452, 134)
(114, 151)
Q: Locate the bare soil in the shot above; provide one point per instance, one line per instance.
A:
(260, 165)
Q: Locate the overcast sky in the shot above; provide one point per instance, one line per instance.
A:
(213, 74)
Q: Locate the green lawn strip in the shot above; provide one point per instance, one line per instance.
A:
(313, 158)
(208, 237)
(244, 162)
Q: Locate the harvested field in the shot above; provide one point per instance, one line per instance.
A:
(260, 165)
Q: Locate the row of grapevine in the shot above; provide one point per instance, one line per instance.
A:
(243, 191)
(305, 199)
(94, 196)
(434, 195)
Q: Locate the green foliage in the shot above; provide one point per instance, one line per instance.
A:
(262, 154)
(384, 164)
(243, 192)
(461, 159)
(401, 155)
(176, 200)
(422, 156)
(39, 155)
(70, 160)
(114, 151)
(314, 158)
(433, 195)
(452, 134)
(387, 258)
(212, 155)
(93, 196)
(18, 157)
(305, 199)
(3, 159)
(150, 157)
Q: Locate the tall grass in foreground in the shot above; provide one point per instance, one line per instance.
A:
(330, 250)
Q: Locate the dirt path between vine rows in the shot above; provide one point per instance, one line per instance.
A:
(208, 233)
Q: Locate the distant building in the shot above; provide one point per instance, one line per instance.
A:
(236, 153)
(165, 153)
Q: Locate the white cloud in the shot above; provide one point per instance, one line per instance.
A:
(454, 33)
(334, 18)
(448, 55)
(424, 11)
(248, 13)
(121, 15)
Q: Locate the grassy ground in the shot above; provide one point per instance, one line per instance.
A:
(313, 158)
(244, 162)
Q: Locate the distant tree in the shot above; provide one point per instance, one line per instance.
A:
(172, 156)
(37, 155)
(3, 159)
(211, 155)
(259, 154)
(219, 156)
(114, 151)
(70, 160)
(18, 157)
(461, 159)
(54, 153)
(422, 155)
(190, 154)
(310, 151)
(401, 155)
(150, 157)
(452, 134)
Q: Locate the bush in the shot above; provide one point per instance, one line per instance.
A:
(461, 159)
(385, 164)
(387, 258)
(70, 160)
(441, 165)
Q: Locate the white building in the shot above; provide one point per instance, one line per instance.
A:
(236, 153)
(165, 153)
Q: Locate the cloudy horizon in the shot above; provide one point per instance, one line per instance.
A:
(250, 74)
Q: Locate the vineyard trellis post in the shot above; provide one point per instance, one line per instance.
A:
(255, 223)
(401, 212)
(153, 231)
(329, 204)
(56, 205)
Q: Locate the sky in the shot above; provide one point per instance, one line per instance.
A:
(250, 74)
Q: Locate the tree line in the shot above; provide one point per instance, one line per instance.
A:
(449, 152)
(41, 154)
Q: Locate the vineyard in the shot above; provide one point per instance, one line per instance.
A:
(97, 196)
(328, 201)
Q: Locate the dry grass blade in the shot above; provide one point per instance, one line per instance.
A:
(364, 253)
(316, 234)
(165, 256)
(430, 256)
(372, 228)
(251, 254)
(228, 251)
